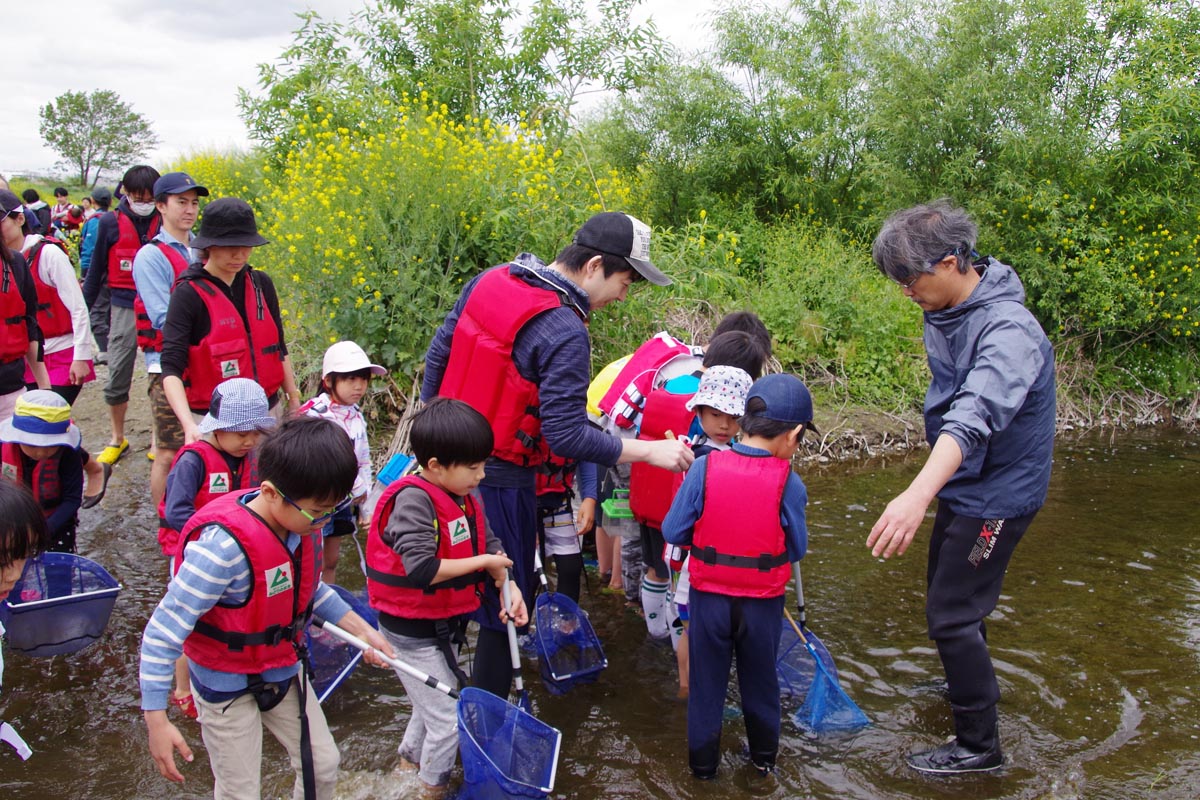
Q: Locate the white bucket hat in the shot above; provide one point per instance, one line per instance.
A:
(723, 388)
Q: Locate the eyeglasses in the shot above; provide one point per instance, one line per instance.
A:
(906, 285)
(319, 519)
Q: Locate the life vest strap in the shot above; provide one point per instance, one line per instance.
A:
(764, 562)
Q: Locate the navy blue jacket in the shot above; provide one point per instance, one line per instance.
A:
(993, 392)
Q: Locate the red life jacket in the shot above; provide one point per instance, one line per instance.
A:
(121, 254)
(234, 347)
(14, 332)
(481, 372)
(555, 475)
(389, 588)
(738, 544)
(44, 483)
(52, 315)
(625, 400)
(149, 338)
(651, 489)
(258, 634)
(217, 482)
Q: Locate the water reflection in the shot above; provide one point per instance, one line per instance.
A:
(1096, 643)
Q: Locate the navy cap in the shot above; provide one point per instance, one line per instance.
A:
(178, 183)
(10, 203)
(786, 398)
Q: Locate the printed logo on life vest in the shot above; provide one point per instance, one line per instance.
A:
(986, 541)
(126, 265)
(229, 369)
(460, 531)
(218, 482)
(279, 579)
(9, 471)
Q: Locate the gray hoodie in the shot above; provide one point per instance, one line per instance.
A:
(993, 392)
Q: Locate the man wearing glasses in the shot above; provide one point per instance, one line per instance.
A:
(989, 417)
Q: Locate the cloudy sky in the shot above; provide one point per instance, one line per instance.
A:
(180, 64)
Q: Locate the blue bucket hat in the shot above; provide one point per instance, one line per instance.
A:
(238, 405)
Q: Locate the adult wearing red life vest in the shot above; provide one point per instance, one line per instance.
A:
(20, 337)
(223, 320)
(515, 347)
(156, 268)
(119, 237)
(62, 315)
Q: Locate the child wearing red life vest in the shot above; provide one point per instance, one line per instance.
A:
(742, 512)
(346, 373)
(38, 448)
(205, 470)
(429, 553)
(718, 403)
(248, 584)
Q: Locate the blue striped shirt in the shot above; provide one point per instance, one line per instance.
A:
(214, 570)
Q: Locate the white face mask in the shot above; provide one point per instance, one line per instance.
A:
(142, 209)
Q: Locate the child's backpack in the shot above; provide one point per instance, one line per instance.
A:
(625, 400)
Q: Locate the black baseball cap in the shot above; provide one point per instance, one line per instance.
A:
(622, 235)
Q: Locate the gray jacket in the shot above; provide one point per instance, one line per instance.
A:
(993, 392)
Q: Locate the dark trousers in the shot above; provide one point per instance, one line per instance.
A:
(721, 627)
(967, 561)
(512, 517)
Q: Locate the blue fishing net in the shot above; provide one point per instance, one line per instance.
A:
(61, 605)
(505, 751)
(795, 664)
(828, 709)
(569, 652)
(332, 660)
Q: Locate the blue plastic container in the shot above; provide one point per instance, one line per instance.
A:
(61, 605)
(505, 751)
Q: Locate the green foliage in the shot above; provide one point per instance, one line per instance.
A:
(95, 131)
(1064, 126)
(375, 228)
(475, 57)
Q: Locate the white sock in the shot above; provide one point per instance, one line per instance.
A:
(654, 604)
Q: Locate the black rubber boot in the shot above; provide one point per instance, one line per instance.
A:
(975, 747)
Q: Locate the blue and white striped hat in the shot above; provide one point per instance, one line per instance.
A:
(41, 419)
(238, 405)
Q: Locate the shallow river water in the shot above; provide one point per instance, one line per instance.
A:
(1096, 642)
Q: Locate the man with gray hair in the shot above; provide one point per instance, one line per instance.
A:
(989, 417)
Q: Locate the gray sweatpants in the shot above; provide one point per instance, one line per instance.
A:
(122, 352)
(431, 738)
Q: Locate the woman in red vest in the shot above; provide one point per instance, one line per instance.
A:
(223, 321)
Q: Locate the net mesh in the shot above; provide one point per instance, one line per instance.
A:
(61, 605)
(795, 664)
(569, 652)
(505, 752)
(332, 660)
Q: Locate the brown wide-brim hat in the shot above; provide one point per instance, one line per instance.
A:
(228, 222)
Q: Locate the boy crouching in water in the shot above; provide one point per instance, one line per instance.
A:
(428, 553)
(250, 576)
(742, 512)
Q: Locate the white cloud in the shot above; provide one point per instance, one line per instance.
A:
(180, 65)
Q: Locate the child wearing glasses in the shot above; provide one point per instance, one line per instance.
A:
(249, 578)
(212, 467)
(429, 553)
(346, 374)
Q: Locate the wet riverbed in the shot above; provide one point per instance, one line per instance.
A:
(1096, 642)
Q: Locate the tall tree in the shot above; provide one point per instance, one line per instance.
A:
(96, 131)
